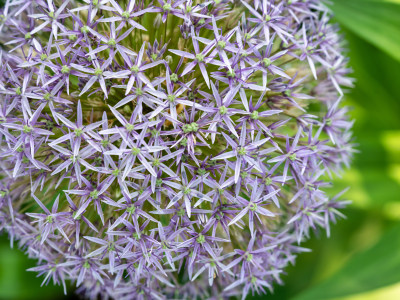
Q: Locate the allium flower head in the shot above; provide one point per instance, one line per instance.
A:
(169, 149)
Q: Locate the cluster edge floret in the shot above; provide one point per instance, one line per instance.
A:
(170, 149)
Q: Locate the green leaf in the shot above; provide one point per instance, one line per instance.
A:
(377, 22)
(371, 269)
(18, 284)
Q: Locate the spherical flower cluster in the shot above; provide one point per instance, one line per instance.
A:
(169, 149)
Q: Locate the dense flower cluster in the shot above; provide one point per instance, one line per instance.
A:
(169, 148)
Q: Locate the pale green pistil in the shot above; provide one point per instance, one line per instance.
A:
(94, 194)
(84, 29)
(171, 98)
(254, 115)
(174, 77)
(129, 127)
(223, 110)
(249, 257)
(156, 162)
(65, 69)
(241, 151)
(167, 6)
(154, 56)
(184, 142)
(201, 239)
(231, 73)
(267, 62)
(86, 265)
(111, 42)
(78, 132)
(199, 57)
(186, 191)
(328, 122)
(98, 72)
(268, 181)
(287, 93)
(139, 91)
(137, 236)
(309, 186)
(135, 69)
(192, 127)
(135, 151)
(126, 14)
(252, 206)
(47, 96)
(111, 246)
(201, 171)
(131, 209)
(27, 129)
(221, 44)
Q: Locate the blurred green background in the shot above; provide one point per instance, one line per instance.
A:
(361, 260)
